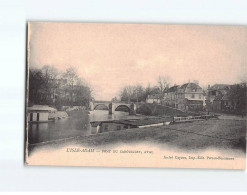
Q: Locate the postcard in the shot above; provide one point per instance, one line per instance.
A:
(136, 95)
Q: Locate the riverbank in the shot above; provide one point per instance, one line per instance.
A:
(200, 135)
(162, 110)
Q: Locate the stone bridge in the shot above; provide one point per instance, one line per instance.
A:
(114, 106)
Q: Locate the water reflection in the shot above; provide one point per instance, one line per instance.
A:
(78, 124)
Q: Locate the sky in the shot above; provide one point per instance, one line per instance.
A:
(110, 56)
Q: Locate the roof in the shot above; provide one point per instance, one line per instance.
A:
(41, 108)
(155, 96)
(184, 86)
(219, 87)
(190, 85)
(173, 89)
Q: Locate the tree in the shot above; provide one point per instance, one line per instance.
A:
(47, 86)
(238, 95)
(139, 93)
(72, 77)
(150, 91)
(135, 93)
(50, 74)
(38, 90)
(114, 99)
(124, 95)
(82, 95)
(163, 84)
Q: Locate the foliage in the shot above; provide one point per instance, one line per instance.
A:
(138, 93)
(238, 95)
(47, 86)
(133, 94)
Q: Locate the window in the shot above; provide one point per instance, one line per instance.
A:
(106, 127)
(200, 96)
(31, 116)
(119, 127)
(193, 96)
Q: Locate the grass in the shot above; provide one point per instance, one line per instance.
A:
(199, 135)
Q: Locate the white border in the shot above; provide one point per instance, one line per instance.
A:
(14, 14)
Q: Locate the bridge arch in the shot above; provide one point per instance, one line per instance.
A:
(113, 106)
(123, 108)
(104, 106)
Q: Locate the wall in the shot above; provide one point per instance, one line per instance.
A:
(43, 116)
(107, 127)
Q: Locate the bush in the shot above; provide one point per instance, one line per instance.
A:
(144, 109)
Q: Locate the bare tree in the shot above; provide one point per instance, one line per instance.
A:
(163, 83)
(72, 78)
(50, 72)
(129, 90)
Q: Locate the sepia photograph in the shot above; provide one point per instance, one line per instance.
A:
(136, 95)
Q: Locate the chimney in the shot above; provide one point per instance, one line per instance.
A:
(196, 82)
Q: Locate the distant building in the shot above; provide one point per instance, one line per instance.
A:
(204, 98)
(39, 113)
(189, 97)
(156, 98)
(218, 98)
(170, 96)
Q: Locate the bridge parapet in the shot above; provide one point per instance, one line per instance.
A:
(112, 106)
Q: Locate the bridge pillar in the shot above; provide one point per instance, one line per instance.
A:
(111, 108)
(91, 106)
(132, 109)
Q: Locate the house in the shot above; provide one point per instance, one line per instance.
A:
(171, 95)
(39, 113)
(204, 98)
(226, 104)
(155, 98)
(189, 97)
(217, 89)
(218, 98)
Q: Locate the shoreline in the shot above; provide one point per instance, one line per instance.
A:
(194, 136)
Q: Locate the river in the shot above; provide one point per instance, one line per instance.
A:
(78, 124)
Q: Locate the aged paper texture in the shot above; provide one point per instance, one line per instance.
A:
(136, 95)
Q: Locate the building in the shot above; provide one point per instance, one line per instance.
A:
(39, 113)
(156, 98)
(218, 98)
(171, 96)
(189, 97)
